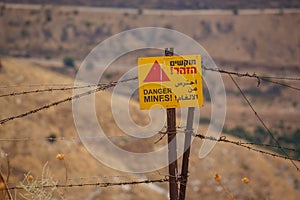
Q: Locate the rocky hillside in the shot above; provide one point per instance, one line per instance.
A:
(57, 32)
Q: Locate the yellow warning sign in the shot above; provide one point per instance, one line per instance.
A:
(170, 82)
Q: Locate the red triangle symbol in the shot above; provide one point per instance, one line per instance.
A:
(156, 74)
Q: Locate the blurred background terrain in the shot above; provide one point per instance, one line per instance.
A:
(44, 42)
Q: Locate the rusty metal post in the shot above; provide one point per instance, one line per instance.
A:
(186, 154)
(172, 145)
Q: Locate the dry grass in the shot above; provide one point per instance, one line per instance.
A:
(34, 188)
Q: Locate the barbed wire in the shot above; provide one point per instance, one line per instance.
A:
(54, 139)
(240, 144)
(148, 181)
(163, 133)
(74, 97)
(119, 176)
(103, 86)
(49, 90)
(281, 78)
(97, 184)
(263, 123)
(268, 145)
(3, 121)
(71, 87)
(253, 75)
(247, 74)
(124, 175)
(100, 87)
(38, 85)
(257, 77)
(279, 83)
(50, 139)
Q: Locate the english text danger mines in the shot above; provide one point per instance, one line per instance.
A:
(158, 95)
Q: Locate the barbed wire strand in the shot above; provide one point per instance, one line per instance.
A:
(163, 133)
(259, 78)
(118, 176)
(97, 184)
(105, 86)
(204, 67)
(3, 121)
(238, 143)
(107, 184)
(125, 175)
(74, 97)
(268, 145)
(282, 84)
(38, 85)
(263, 123)
(54, 139)
(98, 177)
(254, 75)
(281, 78)
(48, 90)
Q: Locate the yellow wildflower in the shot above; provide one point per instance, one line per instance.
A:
(60, 156)
(217, 177)
(30, 178)
(245, 180)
